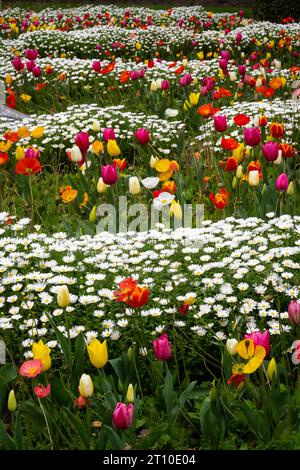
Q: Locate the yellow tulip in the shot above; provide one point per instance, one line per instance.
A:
(175, 209)
(42, 351)
(194, 98)
(253, 178)
(138, 46)
(239, 172)
(283, 81)
(200, 55)
(97, 352)
(272, 369)
(23, 132)
(238, 153)
(20, 152)
(86, 386)
(290, 189)
(113, 148)
(97, 147)
(38, 132)
(63, 296)
(101, 186)
(163, 165)
(8, 79)
(12, 402)
(130, 394)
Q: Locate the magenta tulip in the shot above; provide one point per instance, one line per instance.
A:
(225, 55)
(109, 174)
(252, 136)
(294, 312)
(270, 151)
(141, 73)
(238, 37)
(282, 183)
(83, 142)
(37, 72)
(185, 80)
(30, 64)
(220, 123)
(122, 416)
(32, 153)
(108, 134)
(96, 66)
(134, 75)
(223, 63)
(17, 63)
(142, 136)
(242, 69)
(31, 54)
(260, 339)
(162, 348)
(165, 85)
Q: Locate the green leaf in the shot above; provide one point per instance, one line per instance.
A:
(118, 367)
(34, 413)
(5, 440)
(251, 418)
(7, 373)
(60, 393)
(78, 362)
(168, 394)
(78, 427)
(186, 394)
(114, 439)
(18, 431)
(63, 343)
(101, 441)
(151, 439)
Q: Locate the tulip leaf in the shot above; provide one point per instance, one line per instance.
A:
(18, 431)
(114, 439)
(35, 415)
(150, 440)
(63, 342)
(6, 441)
(78, 427)
(101, 441)
(212, 425)
(251, 418)
(186, 394)
(168, 394)
(78, 358)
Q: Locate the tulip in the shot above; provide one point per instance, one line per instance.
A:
(134, 185)
(17, 63)
(42, 352)
(282, 183)
(113, 148)
(194, 98)
(253, 178)
(63, 296)
(109, 174)
(185, 80)
(294, 312)
(31, 54)
(12, 402)
(122, 417)
(225, 55)
(231, 345)
(30, 65)
(232, 76)
(270, 151)
(176, 210)
(92, 216)
(252, 136)
(42, 392)
(101, 186)
(130, 394)
(96, 65)
(162, 348)
(260, 339)
(32, 153)
(150, 182)
(96, 126)
(97, 352)
(290, 189)
(165, 85)
(220, 123)
(86, 386)
(272, 369)
(142, 136)
(242, 69)
(36, 71)
(83, 142)
(238, 37)
(153, 161)
(239, 172)
(75, 154)
(108, 134)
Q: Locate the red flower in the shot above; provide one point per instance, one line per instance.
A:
(3, 158)
(132, 294)
(277, 130)
(11, 99)
(183, 309)
(41, 391)
(241, 120)
(229, 144)
(220, 199)
(236, 379)
(231, 164)
(28, 166)
(80, 402)
(288, 150)
(40, 86)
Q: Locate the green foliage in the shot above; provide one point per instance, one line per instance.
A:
(276, 10)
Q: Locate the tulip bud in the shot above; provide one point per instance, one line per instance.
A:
(153, 86)
(130, 394)
(12, 402)
(75, 154)
(231, 345)
(291, 189)
(253, 178)
(175, 209)
(239, 172)
(63, 296)
(272, 369)
(294, 312)
(134, 185)
(101, 186)
(264, 189)
(86, 386)
(153, 161)
(96, 126)
(92, 217)
(234, 182)
(129, 354)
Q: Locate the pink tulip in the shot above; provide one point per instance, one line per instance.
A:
(96, 66)
(134, 75)
(31, 54)
(225, 55)
(83, 142)
(109, 174)
(141, 73)
(142, 136)
(252, 136)
(260, 339)
(30, 64)
(162, 348)
(108, 134)
(122, 416)
(238, 38)
(220, 123)
(17, 63)
(32, 153)
(282, 183)
(186, 80)
(294, 312)
(165, 85)
(270, 151)
(242, 69)
(223, 63)
(37, 72)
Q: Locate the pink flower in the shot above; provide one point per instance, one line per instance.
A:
(225, 55)
(252, 136)
(83, 142)
(260, 339)
(109, 174)
(142, 136)
(31, 369)
(96, 66)
(282, 183)
(165, 85)
(186, 80)
(37, 72)
(42, 391)
(242, 69)
(30, 64)
(296, 356)
(162, 348)
(220, 123)
(223, 63)
(31, 54)
(17, 63)
(238, 37)
(294, 312)
(32, 153)
(134, 75)
(122, 417)
(270, 151)
(108, 134)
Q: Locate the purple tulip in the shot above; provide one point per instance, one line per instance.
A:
(242, 69)
(36, 71)
(31, 54)
(108, 134)
(270, 151)
(225, 55)
(109, 174)
(162, 348)
(134, 75)
(282, 183)
(260, 338)
(165, 85)
(96, 65)
(122, 416)
(142, 136)
(294, 312)
(17, 63)
(220, 123)
(252, 136)
(83, 142)
(30, 64)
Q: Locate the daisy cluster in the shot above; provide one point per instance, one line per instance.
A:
(240, 273)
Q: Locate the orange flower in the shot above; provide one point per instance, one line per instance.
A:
(124, 76)
(121, 164)
(12, 136)
(28, 166)
(224, 92)
(62, 76)
(40, 86)
(132, 294)
(229, 144)
(277, 130)
(31, 368)
(231, 164)
(255, 166)
(179, 70)
(169, 186)
(263, 121)
(23, 132)
(268, 92)
(275, 83)
(68, 194)
(288, 150)
(85, 200)
(220, 199)
(174, 166)
(207, 110)
(3, 158)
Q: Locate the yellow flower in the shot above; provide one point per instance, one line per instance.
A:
(221, 74)
(97, 353)
(272, 369)
(113, 148)
(175, 209)
(85, 200)
(163, 165)
(63, 296)
(97, 147)
(283, 81)
(130, 394)
(101, 186)
(246, 348)
(68, 194)
(8, 79)
(200, 55)
(42, 352)
(138, 46)
(238, 153)
(194, 98)
(38, 132)
(20, 152)
(12, 402)
(25, 97)
(23, 132)
(5, 146)
(164, 176)
(254, 354)
(92, 216)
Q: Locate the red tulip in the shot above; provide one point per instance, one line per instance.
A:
(142, 136)
(220, 123)
(83, 142)
(17, 63)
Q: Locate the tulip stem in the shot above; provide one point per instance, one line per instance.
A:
(47, 425)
